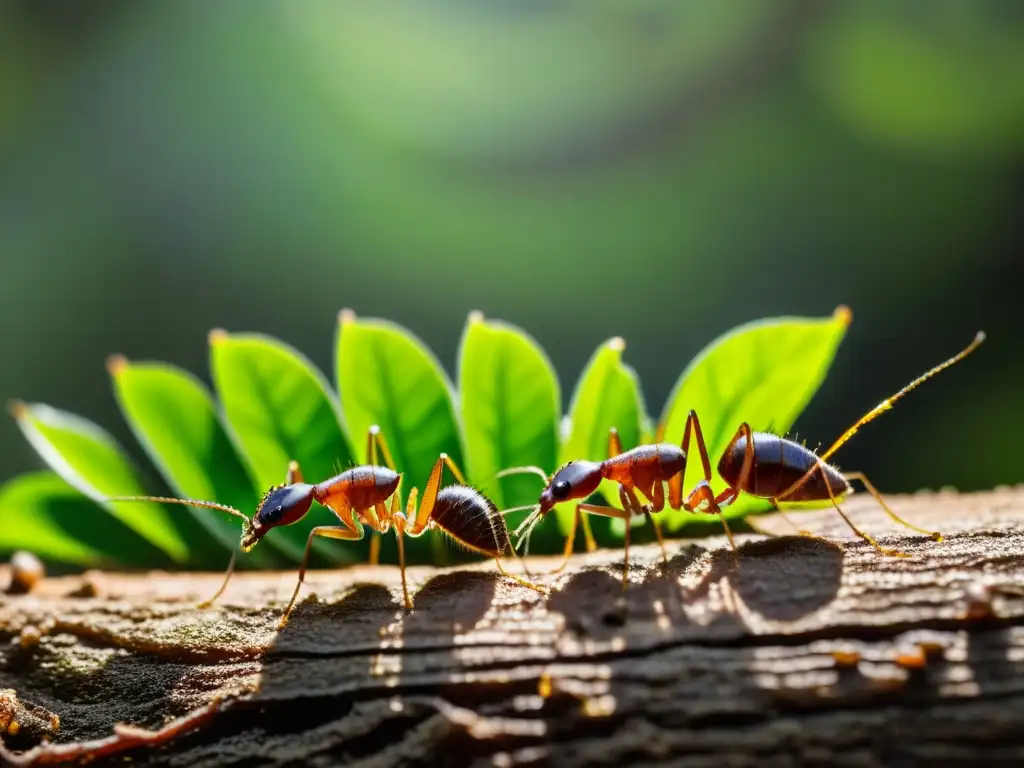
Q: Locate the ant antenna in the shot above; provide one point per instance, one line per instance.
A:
(183, 502)
(513, 510)
(524, 540)
(526, 528)
(887, 404)
(533, 470)
(203, 505)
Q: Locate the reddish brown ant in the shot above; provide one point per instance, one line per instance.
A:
(757, 463)
(358, 497)
(643, 469)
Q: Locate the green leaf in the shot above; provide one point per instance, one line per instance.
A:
(173, 417)
(41, 513)
(607, 395)
(386, 376)
(90, 460)
(511, 406)
(764, 373)
(280, 408)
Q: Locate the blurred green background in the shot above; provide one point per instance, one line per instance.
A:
(657, 170)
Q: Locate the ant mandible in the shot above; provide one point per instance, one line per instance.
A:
(358, 497)
(760, 464)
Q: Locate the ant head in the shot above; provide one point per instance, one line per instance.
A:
(576, 480)
(281, 505)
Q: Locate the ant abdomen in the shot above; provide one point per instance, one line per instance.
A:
(471, 519)
(778, 464)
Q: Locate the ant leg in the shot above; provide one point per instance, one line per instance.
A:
(748, 457)
(570, 539)
(692, 422)
(374, 441)
(519, 579)
(450, 463)
(588, 535)
(604, 510)
(675, 490)
(627, 505)
(800, 531)
(609, 511)
(724, 499)
(596, 509)
(703, 493)
(378, 518)
(657, 532)
(223, 585)
(614, 449)
(878, 497)
(374, 548)
(328, 532)
(614, 442)
(704, 501)
(658, 504)
(399, 521)
(515, 556)
(430, 492)
(729, 495)
(884, 550)
(675, 483)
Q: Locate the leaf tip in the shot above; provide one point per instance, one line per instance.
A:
(617, 343)
(17, 408)
(116, 364)
(475, 317)
(843, 314)
(347, 316)
(217, 336)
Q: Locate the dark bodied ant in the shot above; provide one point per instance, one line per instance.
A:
(760, 464)
(358, 497)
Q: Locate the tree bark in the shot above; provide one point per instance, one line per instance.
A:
(810, 652)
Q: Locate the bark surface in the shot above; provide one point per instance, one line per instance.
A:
(809, 652)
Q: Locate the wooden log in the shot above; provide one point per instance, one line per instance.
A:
(810, 652)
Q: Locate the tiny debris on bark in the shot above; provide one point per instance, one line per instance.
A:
(26, 570)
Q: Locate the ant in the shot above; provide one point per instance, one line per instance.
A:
(760, 464)
(358, 497)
